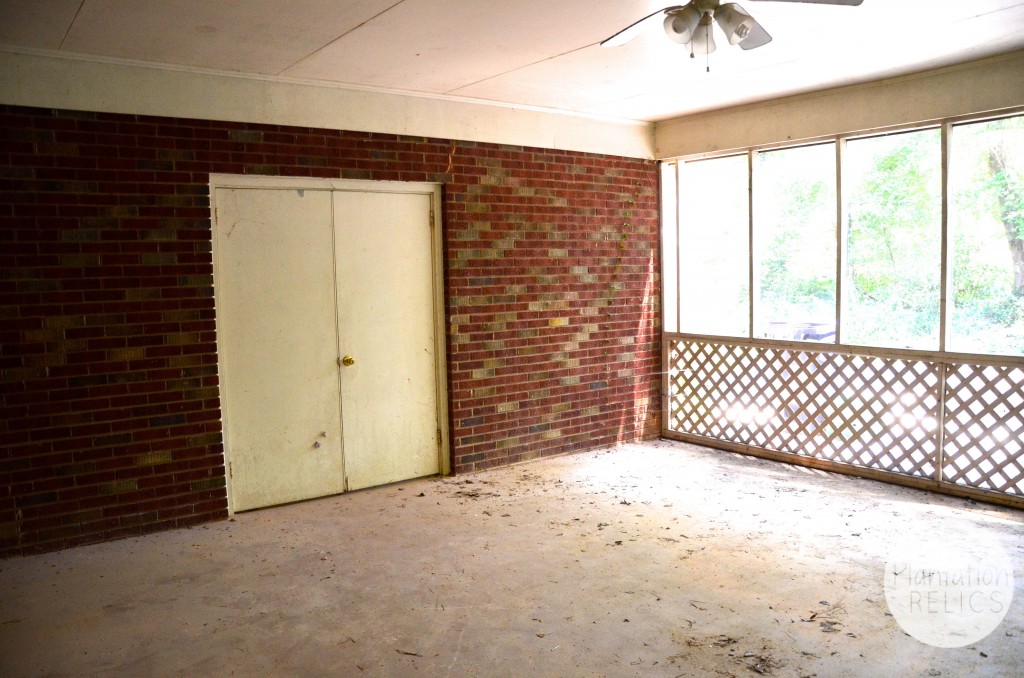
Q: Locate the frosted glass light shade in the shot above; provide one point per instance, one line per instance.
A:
(681, 24)
(734, 22)
(703, 39)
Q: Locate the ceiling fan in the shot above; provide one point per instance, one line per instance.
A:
(691, 24)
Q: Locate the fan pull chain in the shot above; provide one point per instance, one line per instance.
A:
(707, 41)
(707, 52)
(707, 28)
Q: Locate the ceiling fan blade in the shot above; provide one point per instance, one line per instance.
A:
(758, 37)
(850, 3)
(636, 28)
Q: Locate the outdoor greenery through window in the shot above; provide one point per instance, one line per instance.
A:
(795, 242)
(866, 250)
(894, 242)
(987, 228)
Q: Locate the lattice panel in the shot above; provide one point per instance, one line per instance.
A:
(879, 413)
(985, 427)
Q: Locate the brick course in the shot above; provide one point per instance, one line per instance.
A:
(110, 413)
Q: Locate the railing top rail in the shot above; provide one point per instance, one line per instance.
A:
(940, 357)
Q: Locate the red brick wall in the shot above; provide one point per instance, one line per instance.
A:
(110, 417)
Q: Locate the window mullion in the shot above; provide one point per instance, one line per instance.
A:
(752, 284)
(842, 241)
(679, 246)
(946, 282)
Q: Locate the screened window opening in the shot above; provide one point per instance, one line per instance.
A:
(714, 234)
(848, 242)
(795, 243)
(894, 240)
(987, 229)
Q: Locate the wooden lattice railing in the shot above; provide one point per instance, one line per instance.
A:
(943, 420)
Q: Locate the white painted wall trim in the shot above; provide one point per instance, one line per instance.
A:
(57, 81)
(988, 85)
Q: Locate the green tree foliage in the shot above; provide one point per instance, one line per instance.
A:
(988, 236)
(893, 244)
(779, 278)
(894, 199)
(1007, 188)
(795, 217)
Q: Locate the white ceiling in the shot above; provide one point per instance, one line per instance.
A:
(537, 53)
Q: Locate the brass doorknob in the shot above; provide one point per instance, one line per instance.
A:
(348, 361)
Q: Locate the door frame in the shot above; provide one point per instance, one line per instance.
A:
(433, 192)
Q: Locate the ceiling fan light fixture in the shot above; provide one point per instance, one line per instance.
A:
(703, 41)
(734, 22)
(681, 24)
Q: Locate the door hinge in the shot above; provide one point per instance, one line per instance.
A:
(231, 473)
(432, 218)
(439, 437)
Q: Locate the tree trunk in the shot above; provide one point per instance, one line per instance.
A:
(1005, 194)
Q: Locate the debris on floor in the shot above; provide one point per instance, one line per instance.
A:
(660, 559)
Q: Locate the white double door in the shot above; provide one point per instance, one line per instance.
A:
(326, 321)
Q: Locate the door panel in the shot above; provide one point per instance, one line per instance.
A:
(386, 323)
(277, 333)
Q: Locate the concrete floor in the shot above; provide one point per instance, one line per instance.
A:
(661, 559)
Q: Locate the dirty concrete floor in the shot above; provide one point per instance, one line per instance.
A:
(661, 559)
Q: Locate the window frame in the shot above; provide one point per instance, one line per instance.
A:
(670, 166)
